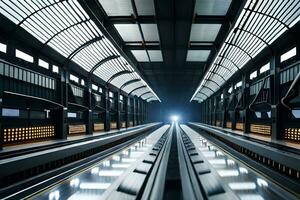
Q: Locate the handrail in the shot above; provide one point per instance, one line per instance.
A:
(292, 92)
(33, 97)
(259, 92)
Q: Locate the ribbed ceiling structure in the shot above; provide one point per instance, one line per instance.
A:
(67, 28)
(260, 23)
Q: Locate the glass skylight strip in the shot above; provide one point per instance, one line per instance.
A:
(140, 91)
(259, 27)
(65, 26)
(147, 96)
(131, 86)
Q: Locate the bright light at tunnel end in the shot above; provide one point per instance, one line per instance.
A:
(174, 118)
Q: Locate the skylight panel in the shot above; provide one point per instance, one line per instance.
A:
(3, 47)
(197, 55)
(150, 32)
(199, 32)
(264, 68)
(120, 80)
(24, 56)
(140, 55)
(148, 95)
(289, 54)
(43, 64)
(155, 55)
(145, 7)
(129, 32)
(117, 7)
(212, 7)
(131, 86)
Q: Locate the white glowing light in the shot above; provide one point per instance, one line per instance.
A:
(262, 183)
(243, 170)
(120, 165)
(242, 186)
(94, 186)
(228, 173)
(95, 170)
(54, 195)
(174, 118)
(74, 182)
(110, 173)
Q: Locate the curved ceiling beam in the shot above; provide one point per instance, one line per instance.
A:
(213, 82)
(101, 62)
(130, 82)
(208, 88)
(249, 32)
(59, 32)
(236, 46)
(202, 94)
(33, 13)
(270, 16)
(145, 94)
(224, 57)
(218, 75)
(150, 98)
(84, 45)
(117, 75)
(135, 89)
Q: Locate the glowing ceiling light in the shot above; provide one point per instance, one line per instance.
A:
(174, 118)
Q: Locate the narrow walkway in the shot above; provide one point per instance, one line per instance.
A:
(173, 189)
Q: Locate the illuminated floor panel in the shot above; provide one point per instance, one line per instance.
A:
(93, 182)
(243, 181)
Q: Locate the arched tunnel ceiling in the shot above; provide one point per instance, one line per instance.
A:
(172, 41)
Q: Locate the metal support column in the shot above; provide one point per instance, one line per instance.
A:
(61, 128)
(134, 112)
(89, 112)
(126, 104)
(107, 111)
(276, 107)
(118, 120)
(246, 111)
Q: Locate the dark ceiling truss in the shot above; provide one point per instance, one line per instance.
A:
(117, 75)
(72, 29)
(130, 82)
(235, 65)
(218, 75)
(210, 19)
(131, 19)
(39, 10)
(240, 48)
(101, 62)
(203, 94)
(149, 98)
(209, 80)
(259, 25)
(208, 88)
(137, 88)
(80, 48)
(144, 94)
(65, 29)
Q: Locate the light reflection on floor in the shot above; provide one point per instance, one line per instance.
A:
(246, 184)
(93, 182)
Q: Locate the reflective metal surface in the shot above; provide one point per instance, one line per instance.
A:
(93, 182)
(243, 181)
